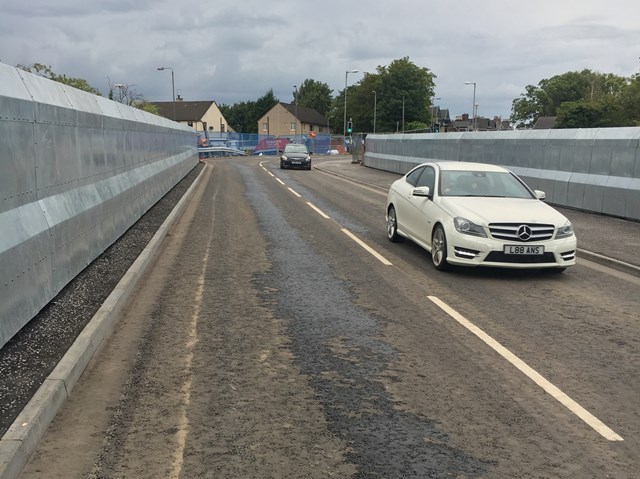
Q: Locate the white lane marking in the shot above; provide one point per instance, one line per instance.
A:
(192, 340)
(565, 400)
(377, 255)
(318, 210)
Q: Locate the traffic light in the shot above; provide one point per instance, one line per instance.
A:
(349, 126)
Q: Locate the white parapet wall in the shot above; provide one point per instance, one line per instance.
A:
(596, 170)
(76, 171)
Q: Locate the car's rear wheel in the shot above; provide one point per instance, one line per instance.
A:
(439, 249)
(392, 226)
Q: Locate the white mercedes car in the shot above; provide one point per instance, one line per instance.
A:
(474, 214)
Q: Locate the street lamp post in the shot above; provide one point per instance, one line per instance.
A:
(295, 101)
(173, 89)
(402, 113)
(120, 86)
(375, 106)
(344, 124)
(473, 105)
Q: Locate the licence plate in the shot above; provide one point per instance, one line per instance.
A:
(296, 162)
(521, 249)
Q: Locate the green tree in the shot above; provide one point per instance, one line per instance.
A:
(630, 101)
(362, 101)
(314, 94)
(47, 72)
(584, 99)
(400, 80)
(405, 93)
(580, 114)
(243, 117)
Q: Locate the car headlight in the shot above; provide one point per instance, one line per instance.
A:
(283, 157)
(467, 227)
(565, 230)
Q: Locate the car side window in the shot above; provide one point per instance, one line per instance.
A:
(412, 178)
(427, 178)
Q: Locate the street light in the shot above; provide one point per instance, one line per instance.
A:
(402, 113)
(173, 89)
(473, 105)
(295, 100)
(119, 86)
(375, 106)
(346, 75)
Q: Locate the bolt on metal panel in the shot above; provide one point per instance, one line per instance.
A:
(77, 179)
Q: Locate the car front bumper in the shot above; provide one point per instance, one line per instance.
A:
(295, 163)
(467, 250)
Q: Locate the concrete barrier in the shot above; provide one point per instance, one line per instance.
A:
(76, 171)
(596, 170)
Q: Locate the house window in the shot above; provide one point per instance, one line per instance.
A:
(292, 127)
(191, 124)
(265, 126)
(310, 127)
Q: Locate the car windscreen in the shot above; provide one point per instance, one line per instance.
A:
(482, 183)
(295, 149)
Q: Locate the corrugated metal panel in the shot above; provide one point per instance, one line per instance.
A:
(78, 171)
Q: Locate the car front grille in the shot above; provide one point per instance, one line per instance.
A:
(500, 257)
(521, 232)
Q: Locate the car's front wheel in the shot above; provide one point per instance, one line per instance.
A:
(392, 226)
(439, 249)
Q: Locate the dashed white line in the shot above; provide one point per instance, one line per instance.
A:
(536, 377)
(377, 255)
(368, 248)
(318, 210)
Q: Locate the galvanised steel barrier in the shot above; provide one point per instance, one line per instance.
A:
(596, 170)
(76, 171)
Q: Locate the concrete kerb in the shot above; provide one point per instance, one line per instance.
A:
(610, 262)
(23, 436)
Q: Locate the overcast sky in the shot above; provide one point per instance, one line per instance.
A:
(237, 50)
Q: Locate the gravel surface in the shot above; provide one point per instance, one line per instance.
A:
(28, 358)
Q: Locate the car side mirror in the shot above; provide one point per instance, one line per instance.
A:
(311, 153)
(422, 191)
(280, 152)
(540, 194)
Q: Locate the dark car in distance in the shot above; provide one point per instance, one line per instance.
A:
(295, 155)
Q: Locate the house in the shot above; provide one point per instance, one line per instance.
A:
(199, 115)
(545, 123)
(465, 123)
(288, 119)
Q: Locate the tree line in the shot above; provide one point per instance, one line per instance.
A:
(402, 93)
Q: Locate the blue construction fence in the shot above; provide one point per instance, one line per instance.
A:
(255, 144)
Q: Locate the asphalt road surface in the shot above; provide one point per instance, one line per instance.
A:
(280, 335)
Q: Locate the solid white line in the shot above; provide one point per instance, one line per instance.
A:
(280, 181)
(295, 193)
(318, 210)
(569, 403)
(378, 256)
(271, 174)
